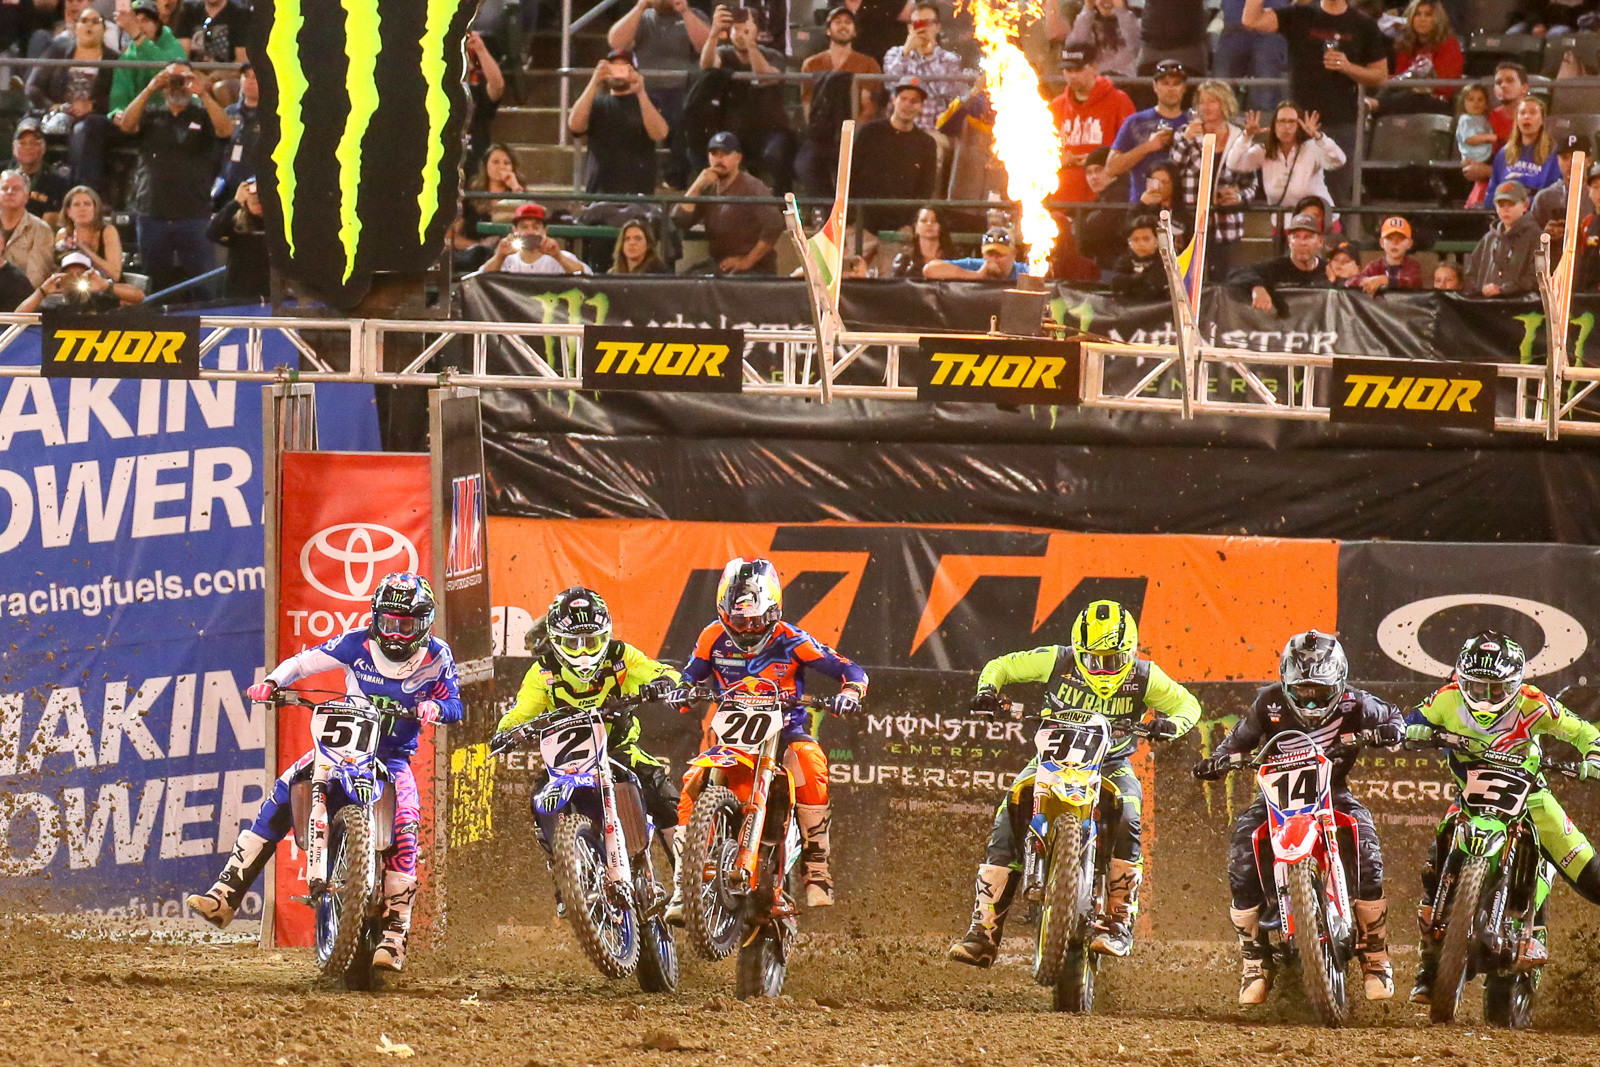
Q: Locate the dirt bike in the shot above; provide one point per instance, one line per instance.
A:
(742, 845)
(592, 816)
(1493, 868)
(345, 849)
(1299, 854)
(1068, 851)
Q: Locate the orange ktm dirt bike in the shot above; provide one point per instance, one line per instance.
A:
(742, 845)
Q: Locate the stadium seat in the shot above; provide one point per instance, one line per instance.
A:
(1421, 138)
(1491, 16)
(1485, 50)
(1576, 101)
(1585, 124)
(1586, 45)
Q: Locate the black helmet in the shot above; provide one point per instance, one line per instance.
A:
(578, 627)
(1489, 672)
(749, 602)
(402, 615)
(1313, 669)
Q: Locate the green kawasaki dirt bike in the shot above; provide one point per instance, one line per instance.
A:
(1485, 909)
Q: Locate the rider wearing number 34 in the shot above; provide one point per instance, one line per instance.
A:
(1099, 672)
(396, 658)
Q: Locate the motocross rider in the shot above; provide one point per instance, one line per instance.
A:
(749, 639)
(578, 664)
(1488, 702)
(1310, 697)
(394, 658)
(1098, 672)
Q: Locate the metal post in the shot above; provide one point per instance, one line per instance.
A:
(564, 136)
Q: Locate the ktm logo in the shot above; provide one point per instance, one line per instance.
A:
(1412, 394)
(661, 358)
(119, 346)
(997, 371)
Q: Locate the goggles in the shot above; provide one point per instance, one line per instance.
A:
(1487, 691)
(1313, 695)
(580, 644)
(748, 624)
(1105, 662)
(399, 625)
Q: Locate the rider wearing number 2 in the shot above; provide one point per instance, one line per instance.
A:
(396, 658)
(1099, 672)
(1310, 697)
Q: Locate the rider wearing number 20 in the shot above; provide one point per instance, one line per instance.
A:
(396, 658)
(1099, 672)
(1310, 697)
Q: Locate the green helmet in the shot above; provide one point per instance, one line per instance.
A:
(1104, 640)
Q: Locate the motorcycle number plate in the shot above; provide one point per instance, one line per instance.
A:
(343, 734)
(572, 744)
(1074, 745)
(1504, 792)
(744, 727)
(1291, 788)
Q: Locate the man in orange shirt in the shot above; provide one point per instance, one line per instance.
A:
(1088, 114)
(841, 54)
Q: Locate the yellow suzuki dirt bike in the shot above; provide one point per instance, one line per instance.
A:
(742, 845)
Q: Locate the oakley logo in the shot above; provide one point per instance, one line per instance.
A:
(347, 560)
(1565, 639)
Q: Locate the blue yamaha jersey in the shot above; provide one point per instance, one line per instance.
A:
(434, 679)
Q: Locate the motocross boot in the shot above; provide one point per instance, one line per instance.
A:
(994, 891)
(399, 891)
(674, 912)
(1427, 959)
(1532, 953)
(217, 904)
(1115, 936)
(813, 820)
(1255, 978)
(1373, 947)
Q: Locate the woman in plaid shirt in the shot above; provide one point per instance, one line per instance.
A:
(1213, 112)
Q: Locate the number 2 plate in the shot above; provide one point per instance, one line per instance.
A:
(568, 746)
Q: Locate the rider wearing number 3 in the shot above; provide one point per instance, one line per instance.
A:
(395, 658)
(1099, 672)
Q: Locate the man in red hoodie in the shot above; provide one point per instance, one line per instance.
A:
(1088, 114)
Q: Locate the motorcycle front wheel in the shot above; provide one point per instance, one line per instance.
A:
(1321, 971)
(711, 913)
(1062, 919)
(658, 954)
(1455, 955)
(607, 931)
(761, 966)
(341, 908)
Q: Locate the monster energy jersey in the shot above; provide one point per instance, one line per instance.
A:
(550, 683)
(1517, 731)
(1146, 685)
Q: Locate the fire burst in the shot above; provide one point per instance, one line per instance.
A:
(1025, 136)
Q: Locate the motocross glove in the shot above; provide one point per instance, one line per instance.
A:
(1420, 731)
(1388, 734)
(986, 701)
(1163, 729)
(1209, 769)
(428, 711)
(1590, 767)
(262, 691)
(846, 702)
(658, 688)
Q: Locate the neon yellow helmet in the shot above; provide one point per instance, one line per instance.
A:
(1104, 640)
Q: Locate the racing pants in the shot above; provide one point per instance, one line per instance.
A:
(656, 787)
(1122, 799)
(276, 817)
(1561, 842)
(805, 761)
(1364, 874)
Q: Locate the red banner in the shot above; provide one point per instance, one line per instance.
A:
(346, 520)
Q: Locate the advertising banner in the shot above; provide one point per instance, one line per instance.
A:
(463, 509)
(995, 372)
(347, 519)
(121, 345)
(1380, 391)
(131, 594)
(675, 359)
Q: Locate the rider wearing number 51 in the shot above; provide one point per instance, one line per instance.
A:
(395, 658)
(1098, 672)
(1487, 702)
(1310, 697)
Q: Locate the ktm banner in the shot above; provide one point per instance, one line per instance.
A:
(663, 359)
(1408, 394)
(119, 345)
(346, 520)
(996, 372)
(931, 597)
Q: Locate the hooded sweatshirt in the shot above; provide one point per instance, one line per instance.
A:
(1085, 126)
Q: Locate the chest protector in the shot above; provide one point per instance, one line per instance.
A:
(567, 690)
(1067, 689)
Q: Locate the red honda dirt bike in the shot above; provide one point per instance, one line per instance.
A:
(742, 845)
(1299, 854)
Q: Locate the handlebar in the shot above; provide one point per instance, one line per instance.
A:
(1470, 746)
(1120, 727)
(609, 712)
(1348, 744)
(290, 698)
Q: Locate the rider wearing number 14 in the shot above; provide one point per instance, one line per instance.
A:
(1098, 672)
(395, 658)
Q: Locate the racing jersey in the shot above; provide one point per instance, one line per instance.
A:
(784, 660)
(434, 679)
(1537, 713)
(1146, 685)
(1271, 714)
(550, 683)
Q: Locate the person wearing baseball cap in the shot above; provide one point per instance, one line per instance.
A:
(78, 286)
(1144, 141)
(1396, 268)
(997, 264)
(742, 238)
(1301, 268)
(1503, 262)
(150, 41)
(529, 249)
(1107, 24)
(46, 188)
(841, 27)
(901, 159)
(621, 127)
(1088, 113)
(1549, 205)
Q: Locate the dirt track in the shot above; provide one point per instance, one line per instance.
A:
(531, 1000)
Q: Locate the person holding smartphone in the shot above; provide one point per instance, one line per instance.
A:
(149, 41)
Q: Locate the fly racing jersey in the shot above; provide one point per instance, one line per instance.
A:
(784, 660)
(550, 684)
(434, 679)
(1272, 714)
(1537, 714)
(1147, 685)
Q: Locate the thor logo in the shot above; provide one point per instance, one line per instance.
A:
(140, 346)
(1415, 394)
(1006, 371)
(623, 357)
(1445, 394)
(998, 372)
(670, 359)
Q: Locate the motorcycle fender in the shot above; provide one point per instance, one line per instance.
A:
(721, 756)
(1295, 839)
(554, 796)
(1483, 836)
(1038, 829)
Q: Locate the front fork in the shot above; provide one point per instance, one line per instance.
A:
(619, 872)
(317, 837)
(743, 876)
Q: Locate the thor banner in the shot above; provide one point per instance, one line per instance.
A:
(346, 520)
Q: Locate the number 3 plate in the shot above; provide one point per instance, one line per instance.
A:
(1500, 791)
